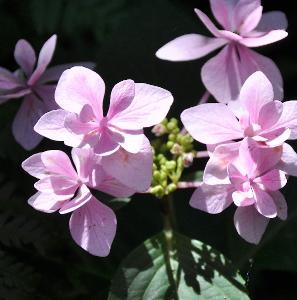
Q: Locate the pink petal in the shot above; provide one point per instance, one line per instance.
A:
(288, 118)
(28, 114)
(108, 142)
(206, 125)
(45, 56)
(47, 94)
(149, 107)
(34, 166)
(215, 171)
(83, 196)
(79, 86)
(288, 162)
(268, 38)
(251, 21)
(279, 139)
(242, 199)
(253, 61)
(93, 227)
(269, 114)
(25, 56)
(272, 180)
(207, 22)
(222, 74)
(281, 204)
(212, 198)
(132, 170)
(85, 161)
(44, 202)
(249, 224)
(57, 162)
(57, 185)
(264, 203)
(272, 20)
(255, 93)
(242, 10)
(189, 47)
(54, 73)
(51, 125)
(74, 125)
(121, 97)
(223, 12)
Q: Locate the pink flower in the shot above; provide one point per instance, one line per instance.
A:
(253, 184)
(60, 187)
(35, 84)
(80, 121)
(255, 115)
(244, 27)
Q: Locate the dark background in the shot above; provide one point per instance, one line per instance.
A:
(38, 259)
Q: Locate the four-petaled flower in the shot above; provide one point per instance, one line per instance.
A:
(244, 27)
(35, 84)
(92, 224)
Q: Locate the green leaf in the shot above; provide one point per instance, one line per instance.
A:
(172, 266)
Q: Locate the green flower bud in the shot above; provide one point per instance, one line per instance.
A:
(172, 137)
(164, 122)
(170, 165)
(163, 175)
(169, 145)
(175, 130)
(157, 175)
(158, 191)
(171, 188)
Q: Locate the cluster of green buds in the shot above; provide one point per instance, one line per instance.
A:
(172, 152)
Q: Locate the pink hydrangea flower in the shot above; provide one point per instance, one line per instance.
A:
(34, 82)
(253, 186)
(244, 27)
(61, 187)
(80, 121)
(255, 115)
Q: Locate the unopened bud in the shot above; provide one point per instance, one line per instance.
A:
(169, 145)
(176, 149)
(170, 165)
(159, 129)
(188, 159)
(171, 188)
(158, 191)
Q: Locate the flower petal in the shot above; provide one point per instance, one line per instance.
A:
(189, 47)
(288, 162)
(132, 170)
(268, 38)
(264, 203)
(45, 56)
(207, 22)
(272, 180)
(45, 202)
(281, 204)
(83, 196)
(249, 224)
(93, 227)
(269, 114)
(121, 97)
(212, 198)
(205, 123)
(25, 56)
(149, 107)
(28, 114)
(251, 21)
(79, 86)
(255, 93)
(272, 20)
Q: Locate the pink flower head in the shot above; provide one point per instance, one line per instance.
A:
(61, 187)
(255, 115)
(34, 82)
(80, 121)
(244, 27)
(253, 184)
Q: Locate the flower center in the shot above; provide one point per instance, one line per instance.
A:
(252, 130)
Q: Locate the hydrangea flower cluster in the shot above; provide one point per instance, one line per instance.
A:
(248, 172)
(111, 153)
(36, 84)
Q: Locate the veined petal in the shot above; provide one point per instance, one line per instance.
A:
(93, 227)
(206, 125)
(83, 196)
(272, 180)
(269, 114)
(149, 107)
(281, 204)
(212, 198)
(249, 224)
(28, 114)
(255, 93)
(121, 97)
(243, 9)
(189, 47)
(25, 56)
(251, 21)
(264, 203)
(268, 38)
(272, 20)
(207, 22)
(242, 199)
(46, 202)
(79, 86)
(132, 170)
(288, 162)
